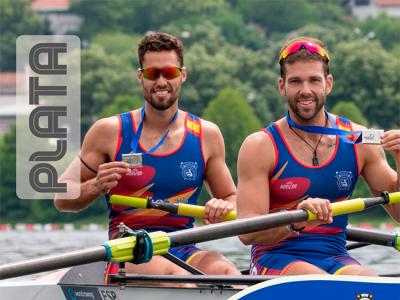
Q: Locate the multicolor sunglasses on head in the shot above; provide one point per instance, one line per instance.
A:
(167, 72)
(298, 45)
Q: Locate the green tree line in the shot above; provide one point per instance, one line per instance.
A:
(231, 49)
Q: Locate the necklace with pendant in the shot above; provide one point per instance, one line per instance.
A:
(314, 160)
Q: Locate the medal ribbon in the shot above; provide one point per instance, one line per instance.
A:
(136, 137)
(343, 134)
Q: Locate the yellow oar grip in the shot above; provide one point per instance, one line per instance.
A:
(122, 249)
(232, 215)
(198, 212)
(191, 210)
(128, 201)
(394, 198)
(342, 208)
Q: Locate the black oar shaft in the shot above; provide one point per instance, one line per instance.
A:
(53, 262)
(247, 225)
(121, 249)
(236, 227)
(169, 207)
(370, 202)
(370, 236)
(356, 245)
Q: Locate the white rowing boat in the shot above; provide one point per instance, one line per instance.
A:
(85, 279)
(86, 282)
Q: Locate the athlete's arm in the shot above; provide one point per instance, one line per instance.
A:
(376, 170)
(218, 179)
(97, 149)
(255, 163)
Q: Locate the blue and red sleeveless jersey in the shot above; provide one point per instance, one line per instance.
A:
(174, 177)
(291, 181)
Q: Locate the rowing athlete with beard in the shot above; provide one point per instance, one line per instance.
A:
(308, 160)
(169, 154)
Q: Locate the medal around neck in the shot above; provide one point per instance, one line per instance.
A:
(371, 136)
(133, 159)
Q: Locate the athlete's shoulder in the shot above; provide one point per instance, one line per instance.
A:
(209, 127)
(102, 136)
(102, 132)
(212, 139)
(258, 140)
(105, 126)
(256, 153)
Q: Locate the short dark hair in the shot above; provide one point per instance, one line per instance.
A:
(304, 54)
(160, 41)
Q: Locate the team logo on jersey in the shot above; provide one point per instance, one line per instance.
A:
(189, 170)
(290, 185)
(344, 179)
(365, 297)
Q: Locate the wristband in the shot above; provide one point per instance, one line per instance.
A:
(291, 228)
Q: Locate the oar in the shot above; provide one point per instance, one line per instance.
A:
(374, 237)
(182, 209)
(353, 234)
(123, 249)
(357, 245)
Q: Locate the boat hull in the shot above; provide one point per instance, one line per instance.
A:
(27, 290)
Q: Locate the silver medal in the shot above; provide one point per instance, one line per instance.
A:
(371, 136)
(133, 159)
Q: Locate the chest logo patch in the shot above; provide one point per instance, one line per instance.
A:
(289, 189)
(189, 170)
(344, 180)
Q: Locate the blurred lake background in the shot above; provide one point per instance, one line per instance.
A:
(231, 52)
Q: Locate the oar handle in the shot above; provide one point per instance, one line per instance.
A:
(338, 208)
(129, 201)
(394, 197)
(359, 204)
(198, 212)
(182, 209)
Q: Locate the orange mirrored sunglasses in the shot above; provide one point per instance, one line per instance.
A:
(167, 72)
(298, 45)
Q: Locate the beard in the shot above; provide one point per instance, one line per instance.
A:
(161, 105)
(306, 115)
(165, 104)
